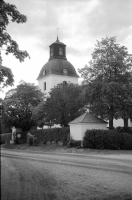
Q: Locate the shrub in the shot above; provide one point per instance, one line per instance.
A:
(30, 140)
(75, 143)
(107, 139)
(23, 138)
(5, 138)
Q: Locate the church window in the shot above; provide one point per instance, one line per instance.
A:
(44, 72)
(60, 51)
(51, 52)
(44, 86)
(65, 72)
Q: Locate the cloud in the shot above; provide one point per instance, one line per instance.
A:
(44, 17)
(80, 18)
(111, 18)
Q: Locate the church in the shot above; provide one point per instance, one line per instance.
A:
(57, 70)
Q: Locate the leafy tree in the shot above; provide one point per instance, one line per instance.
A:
(108, 80)
(20, 103)
(125, 106)
(7, 44)
(2, 116)
(63, 104)
(39, 114)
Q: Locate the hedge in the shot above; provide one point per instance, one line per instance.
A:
(45, 135)
(5, 138)
(53, 134)
(107, 139)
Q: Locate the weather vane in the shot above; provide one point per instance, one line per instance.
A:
(57, 33)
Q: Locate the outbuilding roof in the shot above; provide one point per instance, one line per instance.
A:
(88, 118)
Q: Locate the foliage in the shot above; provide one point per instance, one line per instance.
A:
(20, 103)
(53, 134)
(5, 138)
(107, 139)
(6, 76)
(63, 104)
(39, 114)
(2, 117)
(9, 12)
(108, 81)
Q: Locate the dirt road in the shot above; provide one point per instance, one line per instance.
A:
(53, 176)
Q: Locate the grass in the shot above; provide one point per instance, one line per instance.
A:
(62, 149)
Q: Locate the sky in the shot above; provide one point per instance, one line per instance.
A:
(80, 24)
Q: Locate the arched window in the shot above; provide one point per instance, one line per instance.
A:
(44, 72)
(44, 86)
(60, 51)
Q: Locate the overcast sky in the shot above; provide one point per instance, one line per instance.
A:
(80, 23)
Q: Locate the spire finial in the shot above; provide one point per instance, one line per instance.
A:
(57, 34)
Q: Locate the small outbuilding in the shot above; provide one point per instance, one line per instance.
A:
(85, 122)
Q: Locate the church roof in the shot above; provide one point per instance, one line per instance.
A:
(88, 118)
(56, 66)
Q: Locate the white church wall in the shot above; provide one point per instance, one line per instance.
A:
(57, 79)
(48, 80)
(53, 80)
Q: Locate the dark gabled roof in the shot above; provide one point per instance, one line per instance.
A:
(88, 118)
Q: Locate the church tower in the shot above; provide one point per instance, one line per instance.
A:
(57, 69)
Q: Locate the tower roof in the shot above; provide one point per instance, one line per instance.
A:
(57, 42)
(57, 63)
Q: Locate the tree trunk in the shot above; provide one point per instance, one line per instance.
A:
(125, 122)
(111, 118)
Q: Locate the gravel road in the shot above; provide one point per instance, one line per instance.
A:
(54, 176)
